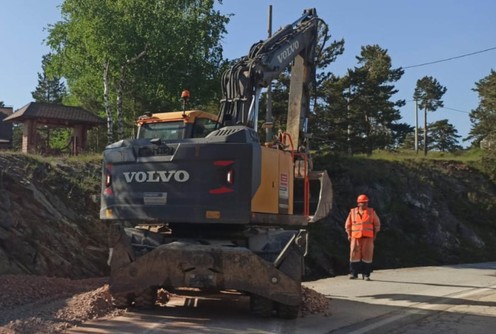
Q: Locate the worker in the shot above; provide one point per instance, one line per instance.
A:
(362, 226)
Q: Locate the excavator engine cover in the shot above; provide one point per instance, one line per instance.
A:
(200, 180)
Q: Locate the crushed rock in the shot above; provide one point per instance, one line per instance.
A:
(313, 302)
(40, 304)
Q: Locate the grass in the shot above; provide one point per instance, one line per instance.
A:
(81, 170)
(81, 158)
(466, 156)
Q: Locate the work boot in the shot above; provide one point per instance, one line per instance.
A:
(355, 268)
(366, 269)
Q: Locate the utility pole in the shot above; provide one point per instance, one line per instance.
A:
(268, 118)
(348, 131)
(416, 127)
(425, 129)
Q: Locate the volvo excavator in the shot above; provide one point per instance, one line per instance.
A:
(197, 203)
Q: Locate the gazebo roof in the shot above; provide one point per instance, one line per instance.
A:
(57, 114)
(5, 111)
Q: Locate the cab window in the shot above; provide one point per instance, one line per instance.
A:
(164, 130)
(203, 126)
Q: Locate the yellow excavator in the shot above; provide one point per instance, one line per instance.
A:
(196, 201)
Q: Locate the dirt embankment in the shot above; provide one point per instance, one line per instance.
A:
(442, 210)
(49, 218)
(52, 246)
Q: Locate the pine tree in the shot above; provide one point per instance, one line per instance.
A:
(428, 93)
(483, 118)
(443, 136)
(50, 89)
(357, 113)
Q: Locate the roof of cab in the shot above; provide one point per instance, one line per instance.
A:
(187, 116)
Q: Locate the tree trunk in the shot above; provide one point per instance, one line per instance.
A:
(120, 122)
(120, 93)
(108, 111)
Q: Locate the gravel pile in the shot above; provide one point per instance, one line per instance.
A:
(38, 304)
(314, 302)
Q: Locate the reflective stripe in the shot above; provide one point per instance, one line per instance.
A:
(362, 228)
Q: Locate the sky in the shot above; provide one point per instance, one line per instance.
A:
(414, 32)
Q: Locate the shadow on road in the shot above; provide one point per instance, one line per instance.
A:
(431, 300)
(436, 284)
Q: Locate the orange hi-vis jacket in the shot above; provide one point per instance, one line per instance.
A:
(364, 224)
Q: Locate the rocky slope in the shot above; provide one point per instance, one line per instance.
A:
(48, 218)
(432, 212)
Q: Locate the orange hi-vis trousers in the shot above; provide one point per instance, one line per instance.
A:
(361, 249)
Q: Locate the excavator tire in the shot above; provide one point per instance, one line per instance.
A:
(146, 299)
(122, 301)
(261, 306)
(293, 267)
(288, 311)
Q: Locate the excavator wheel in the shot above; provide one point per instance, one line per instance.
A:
(122, 300)
(146, 299)
(261, 306)
(288, 311)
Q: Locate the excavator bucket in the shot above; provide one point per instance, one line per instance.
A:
(324, 195)
(319, 195)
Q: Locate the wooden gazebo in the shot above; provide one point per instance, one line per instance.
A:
(36, 114)
(5, 128)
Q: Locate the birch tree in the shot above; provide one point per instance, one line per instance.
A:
(126, 54)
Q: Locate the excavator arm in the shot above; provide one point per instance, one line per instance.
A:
(294, 45)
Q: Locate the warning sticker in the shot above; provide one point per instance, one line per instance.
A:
(283, 186)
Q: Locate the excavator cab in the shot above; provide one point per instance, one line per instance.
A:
(176, 125)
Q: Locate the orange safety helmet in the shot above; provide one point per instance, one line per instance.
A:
(362, 198)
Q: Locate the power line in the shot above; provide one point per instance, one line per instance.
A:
(448, 108)
(451, 58)
(458, 110)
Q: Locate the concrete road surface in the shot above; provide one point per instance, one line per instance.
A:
(448, 299)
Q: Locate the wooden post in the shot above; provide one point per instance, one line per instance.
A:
(29, 136)
(79, 139)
